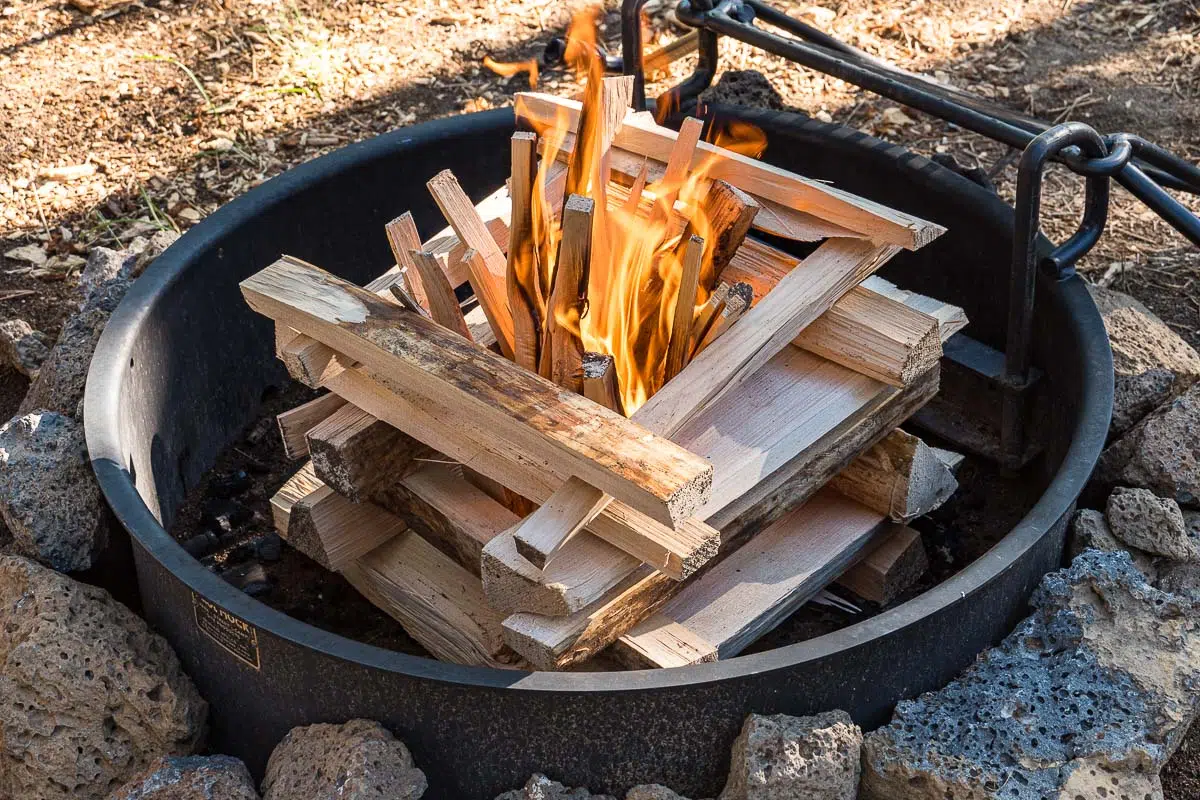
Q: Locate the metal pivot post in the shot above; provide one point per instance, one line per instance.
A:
(1096, 164)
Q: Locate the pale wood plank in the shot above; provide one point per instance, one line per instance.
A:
(685, 307)
(440, 298)
(295, 423)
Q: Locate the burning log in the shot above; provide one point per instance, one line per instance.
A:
(736, 303)
(705, 317)
(679, 163)
(728, 212)
(524, 291)
(562, 351)
(600, 381)
(685, 306)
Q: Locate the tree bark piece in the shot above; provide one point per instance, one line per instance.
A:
(757, 178)
(889, 569)
(527, 416)
(901, 477)
(355, 453)
(296, 423)
(487, 268)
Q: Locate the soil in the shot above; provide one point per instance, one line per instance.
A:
(172, 108)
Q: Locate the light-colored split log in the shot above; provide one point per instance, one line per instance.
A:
(521, 276)
(659, 642)
(729, 212)
(525, 415)
(706, 315)
(677, 553)
(901, 477)
(799, 298)
(894, 565)
(737, 302)
(600, 381)
(685, 306)
(440, 298)
(755, 177)
(325, 526)
(761, 584)
(562, 350)
(679, 162)
(355, 453)
(439, 603)
(294, 424)
(488, 266)
(403, 237)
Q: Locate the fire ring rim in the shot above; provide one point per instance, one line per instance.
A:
(102, 405)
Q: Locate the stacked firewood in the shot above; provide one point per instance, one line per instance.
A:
(577, 462)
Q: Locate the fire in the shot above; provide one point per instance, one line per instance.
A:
(637, 242)
(508, 69)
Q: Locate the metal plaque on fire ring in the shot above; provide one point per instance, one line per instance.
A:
(235, 635)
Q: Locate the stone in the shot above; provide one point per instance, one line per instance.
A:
(49, 497)
(59, 385)
(1161, 453)
(748, 88)
(1151, 363)
(103, 265)
(91, 695)
(1089, 530)
(539, 787)
(158, 242)
(29, 253)
(23, 348)
(1095, 689)
(191, 778)
(1141, 519)
(652, 791)
(357, 760)
(779, 757)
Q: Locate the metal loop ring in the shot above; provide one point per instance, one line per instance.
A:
(1120, 151)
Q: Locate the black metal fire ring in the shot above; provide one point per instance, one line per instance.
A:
(667, 726)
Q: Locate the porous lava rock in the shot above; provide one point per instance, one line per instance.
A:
(1141, 519)
(191, 778)
(1151, 363)
(652, 791)
(23, 348)
(1161, 453)
(1088, 697)
(539, 787)
(747, 87)
(358, 760)
(90, 695)
(779, 757)
(1089, 530)
(49, 497)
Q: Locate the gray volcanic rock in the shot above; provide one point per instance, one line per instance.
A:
(652, 791)
(748, 88)
(191, 778)
(358, 760)
(1088, 697)
(1155, 524)
(23, 348)
(90, 695)
(1161, 453)
(49, 497)
(1151, 363)
(779, 757)
(1089, 530)
(539, 787)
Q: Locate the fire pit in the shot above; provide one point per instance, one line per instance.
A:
(184, 363)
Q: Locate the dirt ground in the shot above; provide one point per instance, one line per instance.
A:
(164, 110)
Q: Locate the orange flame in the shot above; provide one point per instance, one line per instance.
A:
(509, 68)
(637, 243)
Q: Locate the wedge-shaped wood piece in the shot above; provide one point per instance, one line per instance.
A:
(487, 268)
(440, 298)
(325, 526)
(294, 424)
(677, 553)
(760, 585)
(439, 603)
(355, 453)
(528, 416)
(796, 301)
(645, 138)
(901, 477)
(889, 569)
(558, 642)
(403, 238)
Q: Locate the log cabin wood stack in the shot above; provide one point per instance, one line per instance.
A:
(474, 474)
